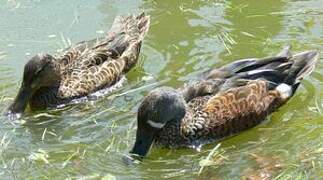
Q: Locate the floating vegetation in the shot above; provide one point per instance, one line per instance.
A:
(66, 41)
(247, 34)
(290, 174)
(43, 115)
(215, 158)
(95, 177)
(147, 78)
(226, 40)
(98, 114)
(5, 141)
(73, 155)
(266, 166)
(108, 177)
(2, 55)
(39, 155)
(312, 158)
(5, 98)
(100, 32)
(141, 88)
(52, 35)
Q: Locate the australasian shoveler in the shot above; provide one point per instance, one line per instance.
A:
(226, 101)
(82, 69)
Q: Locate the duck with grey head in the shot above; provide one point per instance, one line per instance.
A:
(226, 101)
(82, 69)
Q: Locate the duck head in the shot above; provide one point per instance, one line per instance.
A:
(158, 108)
(40, 71)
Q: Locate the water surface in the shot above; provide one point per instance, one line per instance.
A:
(185, 39)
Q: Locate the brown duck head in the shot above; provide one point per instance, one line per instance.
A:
(161, 106)
(40, 71)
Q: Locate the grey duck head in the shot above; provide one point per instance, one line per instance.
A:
(40, 71)
(158, 108)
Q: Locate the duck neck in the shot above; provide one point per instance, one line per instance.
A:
(171, 135)
(53, 79)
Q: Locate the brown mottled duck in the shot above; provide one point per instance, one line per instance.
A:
(82, 69)
(228, 100)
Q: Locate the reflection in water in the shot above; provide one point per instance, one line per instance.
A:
(186, 38)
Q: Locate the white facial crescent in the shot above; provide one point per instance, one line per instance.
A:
(155, 124)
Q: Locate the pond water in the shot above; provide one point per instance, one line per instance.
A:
(88, 140)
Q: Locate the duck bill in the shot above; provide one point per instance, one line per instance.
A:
(21, 100)
(144, 140)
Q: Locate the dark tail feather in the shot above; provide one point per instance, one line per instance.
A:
(251, 64)
(135, 26)
(303, 65)
(285, 52)
(283, 72)
(277, 72)
(246, 65)
(126, 34)
(143, 25)
(227, 70)
(289, 72)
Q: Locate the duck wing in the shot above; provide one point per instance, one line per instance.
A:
(228, 76)
(101, 63)
(249, 64)
(259, 93)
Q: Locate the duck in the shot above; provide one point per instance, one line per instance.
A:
(82, 69)
(222, 102)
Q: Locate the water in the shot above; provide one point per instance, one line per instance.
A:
(186, 38)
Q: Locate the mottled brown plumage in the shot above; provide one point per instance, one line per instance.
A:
(214, 117)
(84, 68)
(225, 101)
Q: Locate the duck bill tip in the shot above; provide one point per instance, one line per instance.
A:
(131, 159)
(20, 102)
(141, 147)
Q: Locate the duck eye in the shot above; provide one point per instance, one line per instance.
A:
(38, 71)
(41, 69)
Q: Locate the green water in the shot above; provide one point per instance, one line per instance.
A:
(186, 37)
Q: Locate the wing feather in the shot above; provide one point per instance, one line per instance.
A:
(233, 110)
